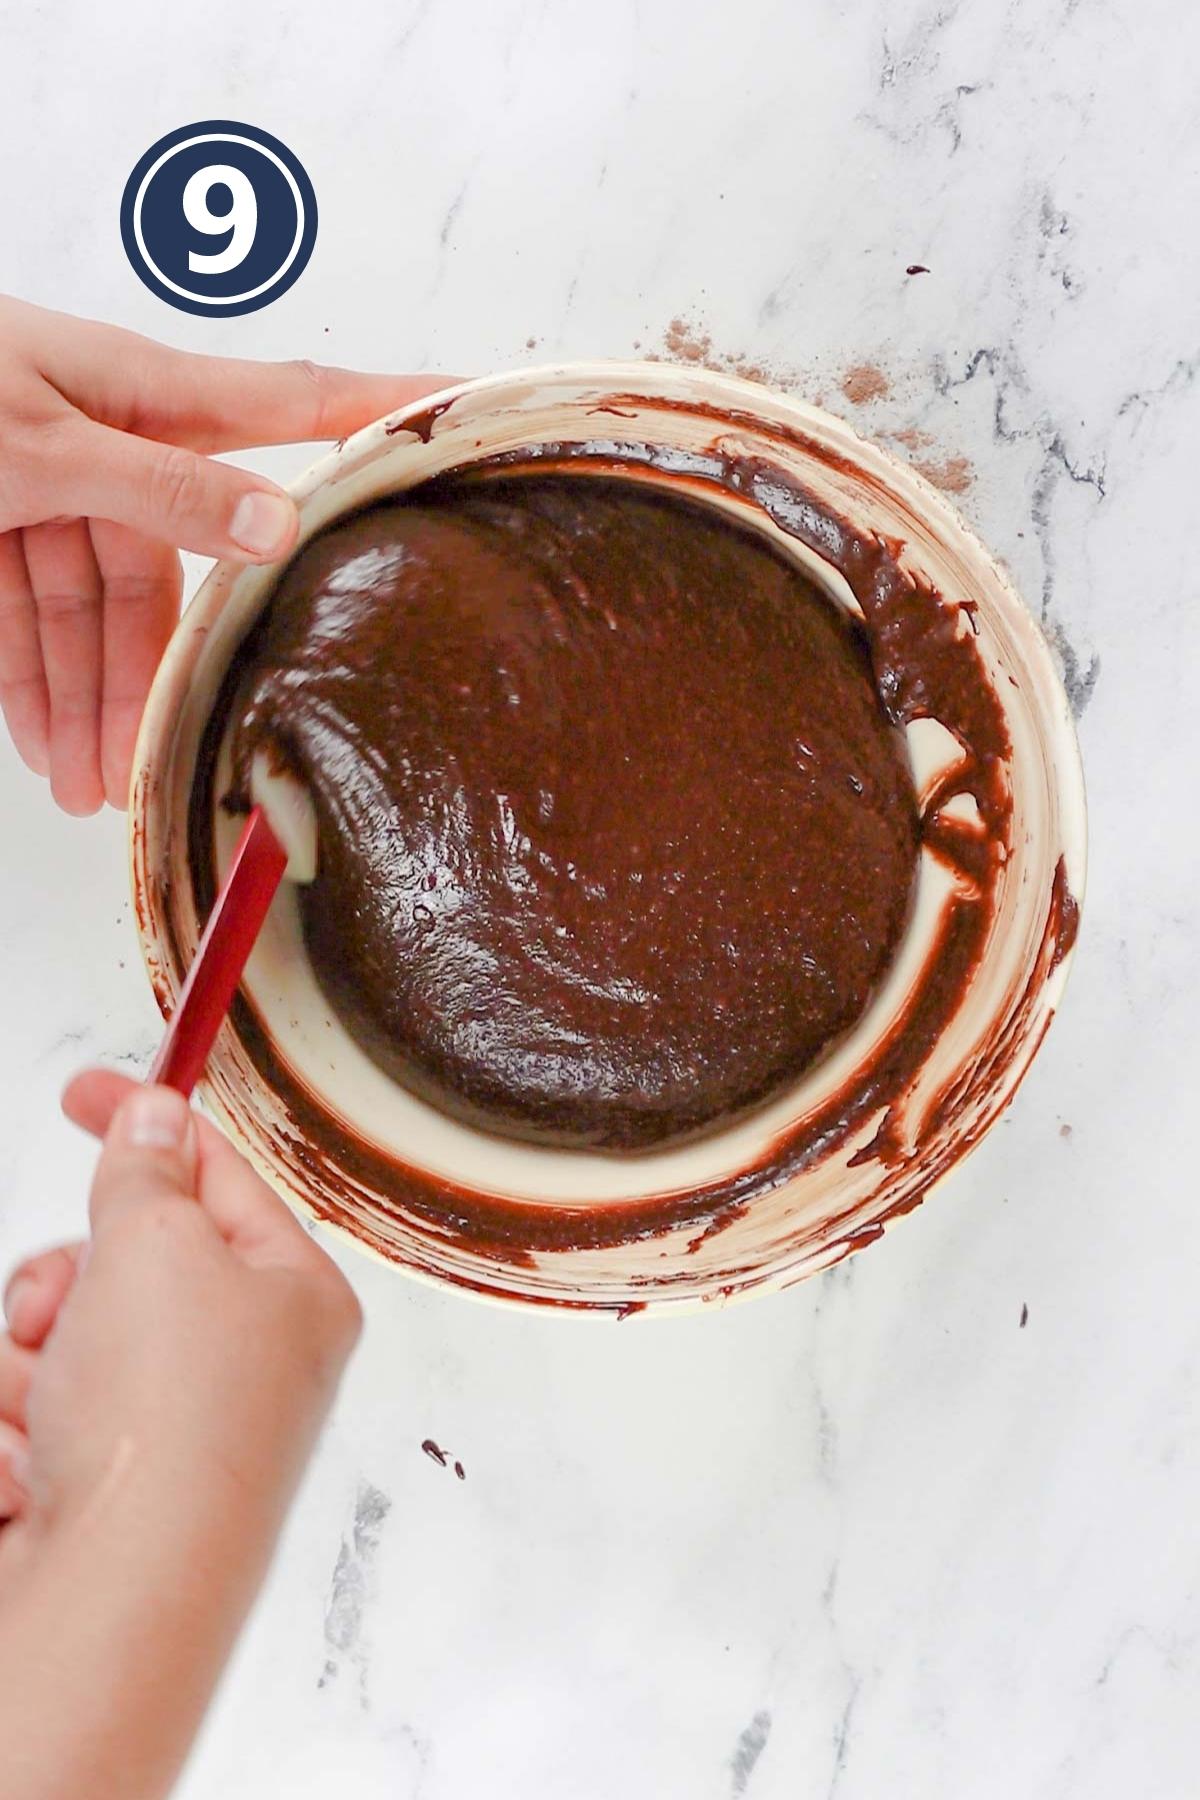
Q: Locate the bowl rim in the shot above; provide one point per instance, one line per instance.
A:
(655, 379)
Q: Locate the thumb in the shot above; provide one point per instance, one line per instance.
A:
(174, 495)
(150, 1154)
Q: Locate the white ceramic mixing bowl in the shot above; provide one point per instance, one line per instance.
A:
(838, 1200)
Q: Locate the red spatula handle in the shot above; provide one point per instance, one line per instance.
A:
(234, 924)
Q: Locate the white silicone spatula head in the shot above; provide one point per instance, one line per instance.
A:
(290, 813)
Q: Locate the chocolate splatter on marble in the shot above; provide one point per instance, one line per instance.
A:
(443, 1458)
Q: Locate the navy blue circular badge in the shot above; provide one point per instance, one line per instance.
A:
(218, 218)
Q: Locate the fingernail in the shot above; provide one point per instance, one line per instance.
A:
(15, 1296)
(262, 523)
(156, 1118)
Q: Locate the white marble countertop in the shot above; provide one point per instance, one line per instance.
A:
(926, 1526)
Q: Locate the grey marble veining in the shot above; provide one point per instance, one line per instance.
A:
(924, 1527)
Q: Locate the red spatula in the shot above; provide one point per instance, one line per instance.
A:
(251, 882)
(237, 917)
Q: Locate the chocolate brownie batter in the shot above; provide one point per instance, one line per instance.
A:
(615, 835)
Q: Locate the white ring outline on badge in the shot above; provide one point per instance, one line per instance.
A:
(218, 137)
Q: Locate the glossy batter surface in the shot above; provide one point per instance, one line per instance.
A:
(615, 835)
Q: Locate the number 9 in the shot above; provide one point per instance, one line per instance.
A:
(242, 217)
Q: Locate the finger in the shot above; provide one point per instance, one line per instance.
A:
(150, 1154)
(266, 1235)
(14, 1471)
(247, 1213)
(35, 1293)
(92, 1097)
(226, 404)
(211, 403)
(141, 581)
(182, 499)
(16, 1372)
(66, 589)
(23, 697)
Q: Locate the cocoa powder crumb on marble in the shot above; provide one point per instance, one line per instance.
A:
(911, 438)
(865, 382)
(686, 341)
(954, 474)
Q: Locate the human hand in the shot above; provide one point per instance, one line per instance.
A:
(191, 1358)
(105, 472)
(158, 1402)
